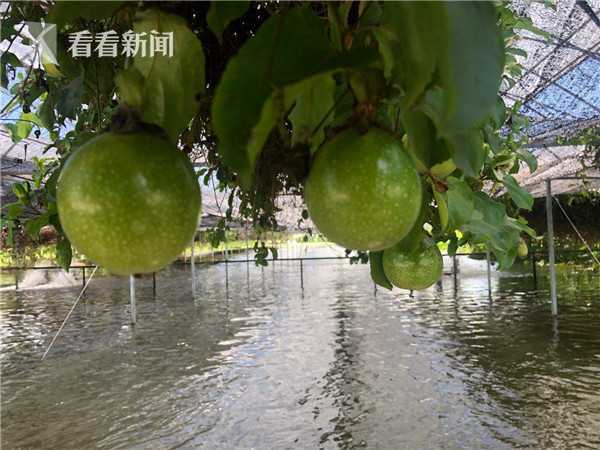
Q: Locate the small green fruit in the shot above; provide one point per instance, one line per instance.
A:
(522, 249)
(414, 270)
(363, 191)
(129, 202)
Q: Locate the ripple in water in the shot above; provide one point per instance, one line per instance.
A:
(258, 362)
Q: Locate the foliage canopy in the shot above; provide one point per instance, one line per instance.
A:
(254, 89)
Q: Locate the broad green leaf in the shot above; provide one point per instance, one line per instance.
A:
(70, 99)
(64, 253)
(23, 126)
(34, 225)
(377, 272)
(13, 210)
(409, 40)
(499, 112)
(502, 164)
(520, 196)
(66, 12)
(443, 169)
(422, 139)
(45, 112)
(471, 67)
(442, 207)
(171, 84)
(311, 110)
(460, 202)
(468, 151)
(220, 14)
(338, 20)
(491, 226)
(426, 148)
(527, 156)
(261, 82)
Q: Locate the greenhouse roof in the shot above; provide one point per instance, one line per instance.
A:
(560, 85)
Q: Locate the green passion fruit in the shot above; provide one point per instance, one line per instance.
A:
(417, 269)
(129, 202)
(363, 191)
(522, 250)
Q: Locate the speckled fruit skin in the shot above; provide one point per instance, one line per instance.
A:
(415, 270)
(129, 202)
(363, 191)
(522, 250)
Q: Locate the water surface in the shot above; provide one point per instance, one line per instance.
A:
(255, 360)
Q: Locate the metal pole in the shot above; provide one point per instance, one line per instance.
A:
(83, 273)
(301, 275)
(454, 269)
(489, 272)
(193, 262)
(154, 283)
(534, 269)
(550, 222)
(132, 310)
(16, 280)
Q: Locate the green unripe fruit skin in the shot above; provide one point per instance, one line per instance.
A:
(363, 191)
(522, 250)
(129, 202)
(414, 270)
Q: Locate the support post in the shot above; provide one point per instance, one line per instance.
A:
(132, 308)
(454, 268)
(193, 262)
(301, 275)
(83, 275)
(534, 269)
(16, 280)
(154, 283)
(489, 272)
(551, 261)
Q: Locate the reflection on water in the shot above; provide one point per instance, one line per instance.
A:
(259, 362)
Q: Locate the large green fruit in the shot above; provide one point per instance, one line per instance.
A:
(129, 202)
(363, 191)
(416, 269)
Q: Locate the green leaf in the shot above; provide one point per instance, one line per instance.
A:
(45, 112)
(65, 13)
(171, 85)
(262, 82)
(377, 272)
(526, 156)
(468, 151)
(427, 150)
(338, 21)
(520, 196)
(471, 67)
(34, 225)
(491, 226)
(64, 253)
(311, 110)
(22, 127)
(70, 99)
(221, 14)
(409, 40)
(460, 202)
(13, 210)
(442, 207)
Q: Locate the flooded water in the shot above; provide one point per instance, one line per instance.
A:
(253, 360)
